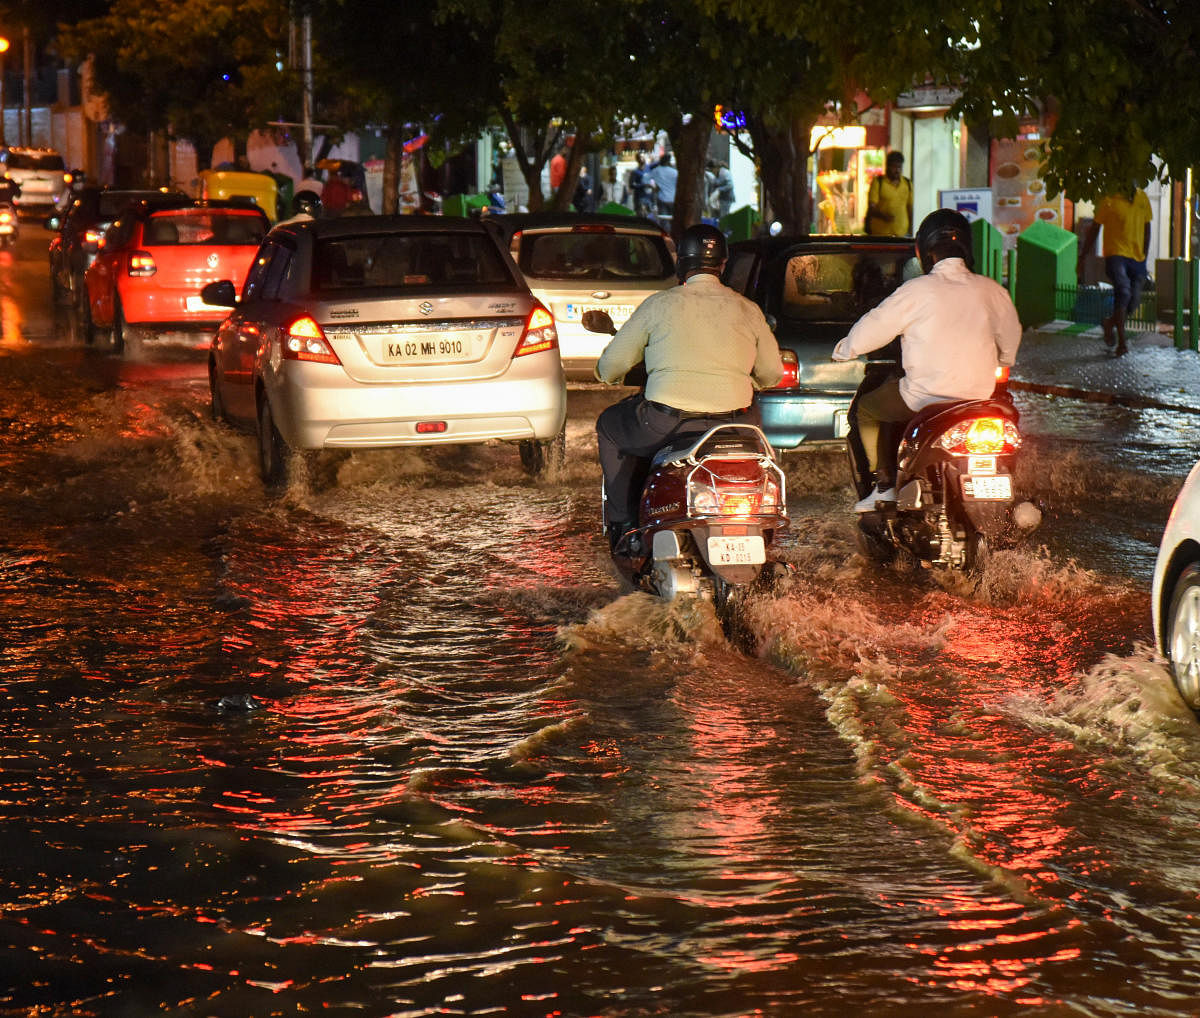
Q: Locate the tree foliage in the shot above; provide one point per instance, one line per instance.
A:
(199, 71)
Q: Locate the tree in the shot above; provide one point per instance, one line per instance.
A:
(1118, 76)
(191, 70)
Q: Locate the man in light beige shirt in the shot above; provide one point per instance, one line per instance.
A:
(706, 350)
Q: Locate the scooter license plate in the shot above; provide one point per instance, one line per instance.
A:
(737, 551)
(997, 486)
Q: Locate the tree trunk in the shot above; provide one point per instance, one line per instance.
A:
(689, 142)
(393, 156)
(560, 201)
(532, 149)
(783, 155)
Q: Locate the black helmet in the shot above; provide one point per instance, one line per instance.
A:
(947, 234)
(306, 202)
(701, 247)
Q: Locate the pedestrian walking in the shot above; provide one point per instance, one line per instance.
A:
(1126, 222)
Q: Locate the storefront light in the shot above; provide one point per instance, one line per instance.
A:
(837, 137)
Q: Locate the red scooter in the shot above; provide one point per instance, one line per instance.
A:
(712, 507)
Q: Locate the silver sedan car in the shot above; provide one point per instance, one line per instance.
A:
(378, 331)
(1175, 591)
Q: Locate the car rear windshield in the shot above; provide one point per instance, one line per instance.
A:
(595, 256)
(27, 161)
(408, 259)
(204, 226)
(843, 285)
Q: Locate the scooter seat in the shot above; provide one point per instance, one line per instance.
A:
(725, 439)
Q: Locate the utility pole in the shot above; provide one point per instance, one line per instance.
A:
(306, 69)
(28, 40)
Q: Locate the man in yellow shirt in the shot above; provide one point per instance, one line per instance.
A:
(1126, 221)
(890, 201)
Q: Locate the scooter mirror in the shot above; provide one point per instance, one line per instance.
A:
(598, 321)
(772, 322)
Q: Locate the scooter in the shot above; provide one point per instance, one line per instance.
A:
(956, 497)
(712, 506)
(8, 225)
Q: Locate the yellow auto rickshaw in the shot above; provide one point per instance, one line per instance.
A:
(259, 188)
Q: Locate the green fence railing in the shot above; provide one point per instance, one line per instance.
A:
(1090, 305)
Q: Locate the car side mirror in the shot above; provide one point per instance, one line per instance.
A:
(220, 294)
(53, 223)
(599, 321)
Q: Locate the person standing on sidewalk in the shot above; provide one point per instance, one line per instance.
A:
(1126, 221)
(890, 201)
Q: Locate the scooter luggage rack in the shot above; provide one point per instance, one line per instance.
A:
(688, 454)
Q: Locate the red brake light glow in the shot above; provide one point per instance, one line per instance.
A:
(981, 436)
(791, 369)
(540, 334)
(141, 263)
(305, 341)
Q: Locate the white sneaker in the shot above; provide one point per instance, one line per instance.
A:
(867, 505)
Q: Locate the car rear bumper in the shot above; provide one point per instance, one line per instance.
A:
(316, 406)
(794, 418)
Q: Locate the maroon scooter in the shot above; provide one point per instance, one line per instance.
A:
(712, 507)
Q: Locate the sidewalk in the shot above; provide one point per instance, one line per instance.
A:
(1057, 360)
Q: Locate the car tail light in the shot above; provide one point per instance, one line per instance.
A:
(6, 216)
(141, 263)
(980, 436)
(791, 370)
(305, 341)
(1001, 374)
(593, 228)
(540, 334)
(93, 237)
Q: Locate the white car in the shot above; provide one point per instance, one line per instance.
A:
(41, 175)
(1175, 592)
(369, 332)
(576, 263)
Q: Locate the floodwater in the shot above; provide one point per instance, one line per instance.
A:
(395, 744)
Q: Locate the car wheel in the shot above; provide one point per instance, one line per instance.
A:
(274, 456)
(118, 328)
(539, 457)
(1183, 635)
(217, 406)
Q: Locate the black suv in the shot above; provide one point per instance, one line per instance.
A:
(79, 231)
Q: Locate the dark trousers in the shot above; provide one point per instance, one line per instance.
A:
(629, 433)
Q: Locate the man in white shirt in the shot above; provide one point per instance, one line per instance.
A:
(955, 328)
(706, 350)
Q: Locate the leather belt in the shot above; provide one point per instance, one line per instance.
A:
(687, 415)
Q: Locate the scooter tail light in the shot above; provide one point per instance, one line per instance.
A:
(980, 436)
(141, 263)
(540, 333)
(305, 341)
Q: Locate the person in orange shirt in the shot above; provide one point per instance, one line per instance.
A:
(1126, 221)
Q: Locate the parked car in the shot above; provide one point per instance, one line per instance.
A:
(815, 288)
(577, 263)
(79, 230)
(1175, 591)
(41, 175)
(155, 258)
(380, 331)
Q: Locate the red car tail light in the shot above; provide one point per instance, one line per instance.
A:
(540, 334)
(93, 237)
(6, 216)
(791, 370)
(980, 436)
(305, 341)
(141, 263)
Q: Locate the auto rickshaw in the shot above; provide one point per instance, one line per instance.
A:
(259, 188)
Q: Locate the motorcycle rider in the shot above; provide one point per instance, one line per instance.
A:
(706, 350)
(954, 326)
(306, 205)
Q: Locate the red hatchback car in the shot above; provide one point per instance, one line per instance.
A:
(155, 259)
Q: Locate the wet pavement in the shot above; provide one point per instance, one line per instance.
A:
(1057, 360)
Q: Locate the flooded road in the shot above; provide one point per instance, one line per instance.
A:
(394, 744)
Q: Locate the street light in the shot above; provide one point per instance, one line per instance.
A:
(3, 50)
